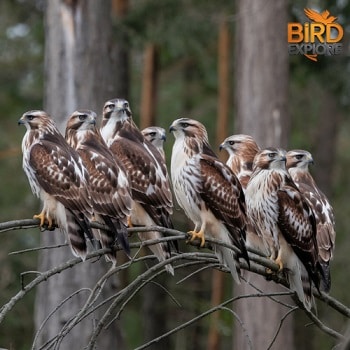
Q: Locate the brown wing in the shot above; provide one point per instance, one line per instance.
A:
(296, 222)
(223, 195)
(61, 174)
(108, 183)
(325, 224)
(149, 181)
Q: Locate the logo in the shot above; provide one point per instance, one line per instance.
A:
(321, 36)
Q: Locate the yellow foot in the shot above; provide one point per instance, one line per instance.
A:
(277, 261)
(129, 222)
(199, 235)
(43, 219)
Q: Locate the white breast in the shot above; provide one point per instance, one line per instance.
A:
(262, 206)
(184, 182)
(107, 131)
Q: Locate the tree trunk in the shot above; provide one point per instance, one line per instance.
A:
(261, 108)
(218, 277)
(325, 153)
(80, 73)
(149, 87)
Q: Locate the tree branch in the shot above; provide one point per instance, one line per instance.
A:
(258, 264)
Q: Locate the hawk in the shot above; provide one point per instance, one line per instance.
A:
(157, 136)
(58, 177)
(150, 187)
(108, 183)
(284, 219)
(298, 166)
(208, 192)
(242, 150)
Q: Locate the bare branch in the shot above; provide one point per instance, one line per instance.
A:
(202, 315)
(117, 303)
(280, 326)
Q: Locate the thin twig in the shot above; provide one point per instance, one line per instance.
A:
(280, 325)
(202, 315)
(258, 264)
(53, 312)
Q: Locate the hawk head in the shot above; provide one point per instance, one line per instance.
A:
(118, 109)
(82, 120)
(193, 135)
(270, 158)
(299, 159)
(155, 135)
(240, 145)
(189, 128)
(36, 120)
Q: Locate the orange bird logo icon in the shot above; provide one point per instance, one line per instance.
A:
(324, 18)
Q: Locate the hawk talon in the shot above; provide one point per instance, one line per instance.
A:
(129, 223)
(277, 261)
(195, 235)
(41, 217)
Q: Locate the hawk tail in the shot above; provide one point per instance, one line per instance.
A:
(120, 232)
(226, 257)
(325, 280)
(160, 250)
(243, 248)
(75, 234)
(300, 282)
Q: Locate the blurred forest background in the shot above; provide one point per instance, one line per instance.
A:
(185, 36)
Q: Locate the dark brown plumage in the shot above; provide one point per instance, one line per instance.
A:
(57, 175)
(208, 192)
(284, 219)
(150, 188)
(298, 162)
(108, 183)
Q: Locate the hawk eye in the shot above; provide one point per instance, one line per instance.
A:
(231, 142)
(271, 155)
(152, 133)
(185, 125)
(109, 106)
(30, 117)
(126, 105)
(299, 156)
(82, 117)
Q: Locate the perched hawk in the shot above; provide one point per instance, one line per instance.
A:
(208, 192)
(298, 166)
(150, 188)
(157, 136)
(56, 174)
(283, 218)
(242, 150)
(108, 182)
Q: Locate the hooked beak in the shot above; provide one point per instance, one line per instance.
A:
(21, 122)
(310, 160)
(282, 157)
